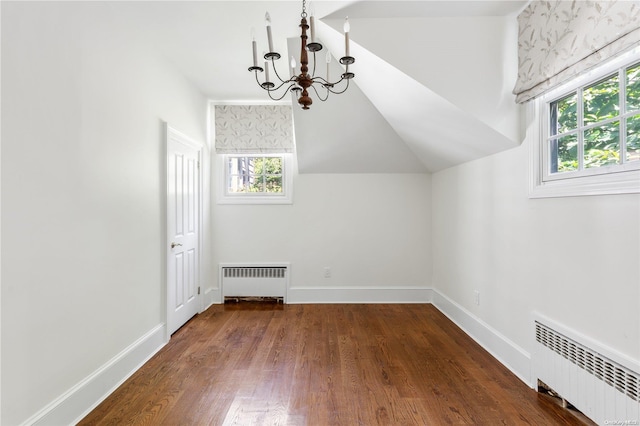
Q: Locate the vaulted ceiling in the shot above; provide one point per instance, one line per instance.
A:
(433, 84)
(433, 78)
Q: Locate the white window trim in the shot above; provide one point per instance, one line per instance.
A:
(623, 180)
(286, 197)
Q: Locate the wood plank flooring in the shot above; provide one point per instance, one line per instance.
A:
(267, 364)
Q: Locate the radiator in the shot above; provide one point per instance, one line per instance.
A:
(602, 389)
(254, 281)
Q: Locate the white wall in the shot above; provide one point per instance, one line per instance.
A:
(82, 193)
(574, 260)
(372, 230)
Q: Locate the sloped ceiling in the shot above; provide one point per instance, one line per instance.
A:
(348, 134)
(441, 83)
(432, 86)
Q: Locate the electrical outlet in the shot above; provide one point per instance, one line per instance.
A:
(476, 297)
(327, 272)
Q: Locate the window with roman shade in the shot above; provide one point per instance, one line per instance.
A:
(254, 146)
(560, 39)
(579, 72)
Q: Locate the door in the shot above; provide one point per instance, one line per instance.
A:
(183, 220)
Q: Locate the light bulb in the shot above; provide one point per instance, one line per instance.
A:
(254, 47)
(328, 58)
(312, 24)
(347, 27)
(267, 19)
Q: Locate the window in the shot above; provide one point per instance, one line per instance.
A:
(255, 175)
(600, 131)
(255, 179)
(590, 133)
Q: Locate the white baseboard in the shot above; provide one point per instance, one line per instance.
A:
(499, 346)
(78, 401)
(302, 295)
(211, 295)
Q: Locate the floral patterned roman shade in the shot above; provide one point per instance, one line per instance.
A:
(560, 38)
(253, 129)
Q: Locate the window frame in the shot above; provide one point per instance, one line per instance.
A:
(225, 197)
(615, 179)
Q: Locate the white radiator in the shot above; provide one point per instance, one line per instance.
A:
(254, 281)
(602, 389)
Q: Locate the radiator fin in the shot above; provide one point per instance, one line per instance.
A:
(254, 272)
(611, 373)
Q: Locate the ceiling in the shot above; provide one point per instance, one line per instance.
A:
(430, 91)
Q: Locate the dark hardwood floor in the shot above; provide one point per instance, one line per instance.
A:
(268, 364)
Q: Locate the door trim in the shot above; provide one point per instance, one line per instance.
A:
(169, 132)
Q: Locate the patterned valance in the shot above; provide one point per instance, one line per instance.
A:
(253, 129)
(558, 39)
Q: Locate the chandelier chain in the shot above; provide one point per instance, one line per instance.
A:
(304, 9)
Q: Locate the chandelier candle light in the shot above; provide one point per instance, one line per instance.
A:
(299, 84)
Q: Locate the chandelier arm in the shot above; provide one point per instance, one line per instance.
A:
(318, 94)
(343, 90)
(327, 85)
(257, 80)
(283, 95)
(324, 82)
(273, 65)
(275, 89)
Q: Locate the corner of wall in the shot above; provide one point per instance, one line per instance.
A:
(512, 356)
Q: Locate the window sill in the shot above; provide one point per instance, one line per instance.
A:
(609, 184)
(245, 199)
(248, 198)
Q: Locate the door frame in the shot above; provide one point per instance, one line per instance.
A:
(170, 131)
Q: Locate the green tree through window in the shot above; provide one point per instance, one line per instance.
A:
(258, 175)
(591, 121)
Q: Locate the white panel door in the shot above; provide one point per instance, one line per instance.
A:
(183, 214)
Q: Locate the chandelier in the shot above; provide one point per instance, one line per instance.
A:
(301, 83)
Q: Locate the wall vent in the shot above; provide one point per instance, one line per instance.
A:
(251, 281)
(601, 388)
